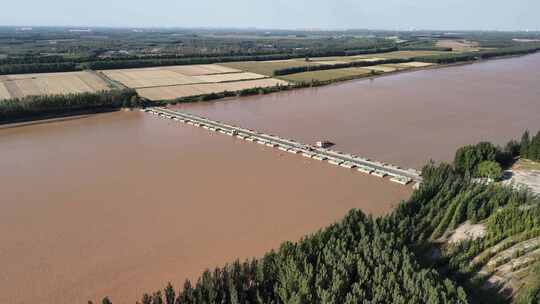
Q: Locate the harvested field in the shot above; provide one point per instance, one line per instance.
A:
(178, 91)
(326, 75)
(4, 94)
(201, 69)
(382, 68)
(141, 78)
(370, 59)
(329, 62)
(416, 64)
(228, 77)
(177, 75)
(268, 67)
(458, 45)
(17, 86)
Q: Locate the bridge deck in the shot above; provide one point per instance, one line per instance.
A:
(398, 175)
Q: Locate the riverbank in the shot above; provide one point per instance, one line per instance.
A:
(6, 119)
(313, 84)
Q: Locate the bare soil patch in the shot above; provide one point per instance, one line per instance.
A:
(467, 231)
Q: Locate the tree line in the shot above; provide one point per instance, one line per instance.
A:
(32, 107)
(38, 68)
(530, 147)
(40, 64)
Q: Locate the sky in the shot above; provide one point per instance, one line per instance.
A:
(278, 14)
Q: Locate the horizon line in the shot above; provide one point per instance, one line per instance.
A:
(242, 28)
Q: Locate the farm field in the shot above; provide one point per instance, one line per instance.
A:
(167, 83)
(384, 68)
(381, 56)
(326, 75)
(268, 67)
(4, 94)
(17, 86)
(416, 64)
(178, 91)
(390, 67)
(459, 45)
(153, 77)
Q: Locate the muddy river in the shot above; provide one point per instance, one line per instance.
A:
(119, 204)
(407, 118)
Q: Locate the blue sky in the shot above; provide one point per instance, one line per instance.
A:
(380, 14)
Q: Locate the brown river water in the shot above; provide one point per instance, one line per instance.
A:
(406, 118)
(119, 204)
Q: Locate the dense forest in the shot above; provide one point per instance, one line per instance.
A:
(404, 257)
(32, 107)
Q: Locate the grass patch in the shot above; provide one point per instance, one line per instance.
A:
(526, 164)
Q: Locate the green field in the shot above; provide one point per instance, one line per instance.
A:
(328, 75)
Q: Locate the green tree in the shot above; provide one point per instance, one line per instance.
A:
(106, 301)
(170, 295)
(534, 147)
(489, 169)
(524, 145)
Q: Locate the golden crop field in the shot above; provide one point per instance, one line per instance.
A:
(227, 77)
(201, 69)
(178, 75)
(141, 78)
(329, 62)
(416, 64)
(17, 86)
(178, 91)
(4, 94)
(326, 75)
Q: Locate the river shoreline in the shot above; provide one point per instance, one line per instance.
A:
(294, 87)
